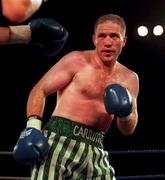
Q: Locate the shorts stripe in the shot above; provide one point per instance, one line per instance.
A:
(83, 165)
(75, 160)
(55, 157)
(65, 158)
(90, 165)
(97, 160)
(102, 167)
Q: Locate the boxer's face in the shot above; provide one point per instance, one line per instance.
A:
(109, 40)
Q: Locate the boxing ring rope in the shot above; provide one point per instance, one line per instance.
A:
(143, 151)
(137, 152)
(14, 178)
(113, 152)
(152, 176)
(133, 151)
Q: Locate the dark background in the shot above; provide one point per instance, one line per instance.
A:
(22, 66)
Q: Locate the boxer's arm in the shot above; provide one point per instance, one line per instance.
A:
(18, 11)
(4, 35)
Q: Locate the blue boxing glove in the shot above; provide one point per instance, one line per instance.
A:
(117, 100)
(48, 35)
(31, 146)
(44, 33)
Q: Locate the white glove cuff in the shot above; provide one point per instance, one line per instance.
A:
(34, 123)
(126, 118)
(19, 34)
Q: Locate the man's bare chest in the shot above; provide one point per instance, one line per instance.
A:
(92, 82)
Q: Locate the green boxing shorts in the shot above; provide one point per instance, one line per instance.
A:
(76, 153)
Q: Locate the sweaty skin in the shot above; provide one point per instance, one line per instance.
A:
(80, 78)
